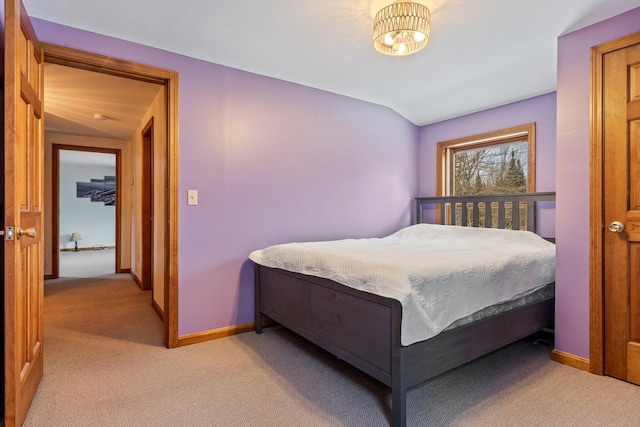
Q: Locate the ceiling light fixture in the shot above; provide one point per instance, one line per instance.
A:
(402, 28)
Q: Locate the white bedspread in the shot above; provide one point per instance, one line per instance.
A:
(438, 273)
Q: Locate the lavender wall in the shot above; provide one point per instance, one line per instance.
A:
(273, 162)
(572, 216)
(540, 109)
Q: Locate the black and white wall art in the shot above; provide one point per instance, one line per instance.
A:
(98, 190)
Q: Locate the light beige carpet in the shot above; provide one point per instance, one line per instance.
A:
(105, 366)
(88, 263)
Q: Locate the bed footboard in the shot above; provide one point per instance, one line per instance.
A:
(364, 330)
(352, 325)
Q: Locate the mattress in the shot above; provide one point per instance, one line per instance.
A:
(439, 274)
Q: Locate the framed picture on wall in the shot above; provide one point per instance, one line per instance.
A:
(98, 190)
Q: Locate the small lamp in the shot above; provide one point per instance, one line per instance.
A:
(74, 238)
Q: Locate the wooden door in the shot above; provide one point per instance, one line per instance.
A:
(621, 210)
(24, 159)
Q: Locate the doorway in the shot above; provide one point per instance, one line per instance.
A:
(86, 209)
(169, 81)
(615, 209)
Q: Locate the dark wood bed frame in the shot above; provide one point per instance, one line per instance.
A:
(364, 329)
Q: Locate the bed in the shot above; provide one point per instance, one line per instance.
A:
(374, 330)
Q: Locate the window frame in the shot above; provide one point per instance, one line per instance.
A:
(446, 149)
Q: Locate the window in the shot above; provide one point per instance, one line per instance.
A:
(500, 162)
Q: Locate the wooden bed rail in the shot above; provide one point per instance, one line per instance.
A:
(483, 210)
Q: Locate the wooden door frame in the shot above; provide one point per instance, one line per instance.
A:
(2, 269)
(55, 201)
(596, 181)
(146, 207)
(169, 79)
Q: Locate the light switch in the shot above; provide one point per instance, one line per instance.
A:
(192, 197)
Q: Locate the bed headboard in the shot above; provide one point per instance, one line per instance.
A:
(490, 211)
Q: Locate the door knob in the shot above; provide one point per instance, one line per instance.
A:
(616, 227)
(31, 232)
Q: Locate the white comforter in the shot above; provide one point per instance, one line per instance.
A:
(438, 273)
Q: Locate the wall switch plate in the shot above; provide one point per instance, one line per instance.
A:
(192, 197)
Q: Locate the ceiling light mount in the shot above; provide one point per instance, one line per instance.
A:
(402, 28)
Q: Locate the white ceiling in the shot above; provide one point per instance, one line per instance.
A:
(73, 96)
(481, 54)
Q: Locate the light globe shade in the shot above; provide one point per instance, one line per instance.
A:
(402, 28)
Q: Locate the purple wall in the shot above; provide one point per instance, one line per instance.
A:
(273, 162)
(541, 110)
(572, 216)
